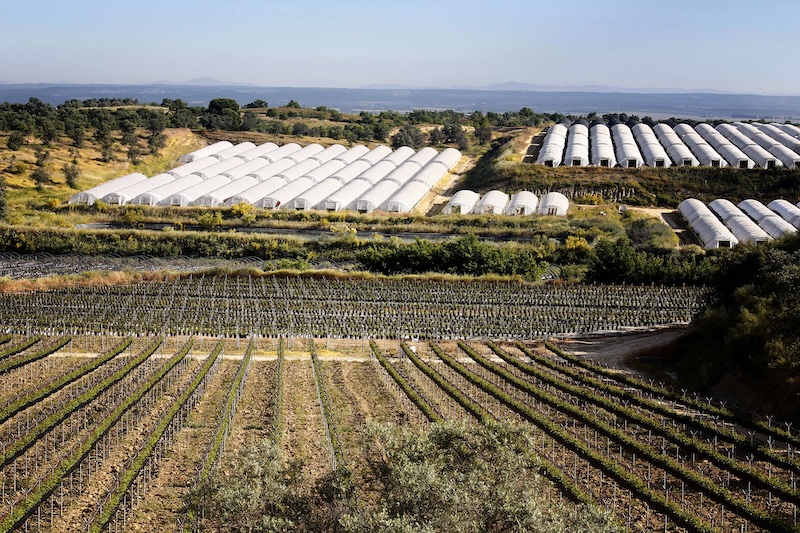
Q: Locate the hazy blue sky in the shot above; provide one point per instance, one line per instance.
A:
(727, 45)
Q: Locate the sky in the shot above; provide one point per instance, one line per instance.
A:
(731, 46)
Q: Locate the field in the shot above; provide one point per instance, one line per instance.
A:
(125, 427)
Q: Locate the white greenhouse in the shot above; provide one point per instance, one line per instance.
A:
(762, 157)
(747, 231)
(299, 170)
(272, 169)
(786, 156)
(431, 174)
(602, 146)
(725, 209)
(462, 202)
(692, 209)
(375, 198)
(258, 152)
(352, 154)
(234, 151)
(376, 154)
(403, 173)
(449, 157)
(713, 233)
(331, 152)
(285, 194)
(246, 168)
(522, 203)
(325, 170)
(90, 196)
(205, 151)
(399, 156)
(787, 210)
(792, 143)
(351, 171)
(423, 156)
(305, 152)
(377, 172)
(189, 195)
(219, 168)
(551, 152)
(493, 203)
(677, 150)
(283, 152)
(157, 195)
(126, 194)
(703, 151)
(191, 168)
(255, 193)
(790, 129)
(652, 151)
(554, 204)
(313, 197)
(577, 152)
(776, 226)
(404, 200)
(732, 154)
(218, 196)
(628, 154)
(345, 197)
(755, 209)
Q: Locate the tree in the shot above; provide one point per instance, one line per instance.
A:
(257, 104)
(71, 174)
(41, 156)
(3, 200)
(134, 155)
(40, 176)
(15, 140)
(250, 121)
(435, 136)
(292, 104)
(409, 135)
(218, 106)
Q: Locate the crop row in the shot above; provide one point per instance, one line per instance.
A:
(19, 347)
(133, 470)
(9, 365)
(48, 484)
(331, 433)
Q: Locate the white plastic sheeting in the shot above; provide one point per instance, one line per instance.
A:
(219, 168)
(746, 231)
(493, 203)
(755, 209)
(787, 210)
(246, 168)
(462, 202)
(234, 151)
(331, 152)
(785, 155)
(522, 203)
(430, 174)
(283, 152)
(628, 154)
(602, 146)
(375, 198)
(351, 171)
(403, 173)
(399, 156)
(703, 151)
(577, 152)
(189, 195)
(790, 129)
(218, 196)
(776, 226)
(652, 151)
(299, 170)
(407, 197)
(194, 166)
(762, 157)
(285, 194)
(732, 154)
(713, 233)
(256, 192)
(792, 143)
(258, 152)
(90, 196)
(554, 204)
(376, 154)
(352, 154)
(377, 172)
(692, 209)
(449, 157)
(325, 170)
(157, 195)
(126, 194)
(423, 156)
(675, 147)
(272, 169)
(311, 198)
(551, 152)
(345, 197)
(305, 152)
(205, 151)
(725, 209)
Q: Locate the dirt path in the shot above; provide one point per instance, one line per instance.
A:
(303, 437)
(254, 413)
(615, 349)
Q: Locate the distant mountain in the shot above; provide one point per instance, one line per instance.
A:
(521, 86)
(203, 82)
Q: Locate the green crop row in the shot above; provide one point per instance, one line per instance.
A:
(16, 348)
(724, 414)
(424, 407)
(45, 487)
(616, 471)
(35, 356)
(277, 419)
(702, 449)
(5, 338)
(326, 408)
(471, 407)
(130, 474)
(38, 395)
(669, 464)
